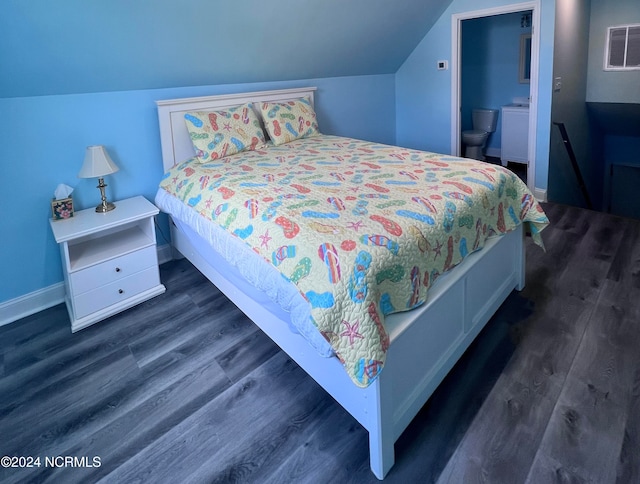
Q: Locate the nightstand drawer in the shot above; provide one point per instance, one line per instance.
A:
(115, 292)
(113, 270)
(109, 260)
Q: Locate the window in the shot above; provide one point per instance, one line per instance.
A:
(622, 51)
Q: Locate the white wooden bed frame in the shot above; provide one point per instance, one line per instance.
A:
(439, 331)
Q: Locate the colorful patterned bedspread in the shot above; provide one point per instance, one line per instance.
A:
(362, 229)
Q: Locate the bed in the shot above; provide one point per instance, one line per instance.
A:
(380, 346)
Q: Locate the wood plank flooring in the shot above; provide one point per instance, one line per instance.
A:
(183, 388)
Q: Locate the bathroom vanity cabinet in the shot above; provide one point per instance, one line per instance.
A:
(515, 134)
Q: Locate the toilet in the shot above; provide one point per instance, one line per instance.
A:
(475, 140)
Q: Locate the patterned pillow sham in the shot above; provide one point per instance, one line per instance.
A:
(289, 120)
(216, 134)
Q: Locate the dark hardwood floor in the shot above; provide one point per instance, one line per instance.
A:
(183, 388)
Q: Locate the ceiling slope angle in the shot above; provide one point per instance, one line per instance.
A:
(116, 45)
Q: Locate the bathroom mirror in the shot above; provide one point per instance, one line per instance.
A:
(525, 58)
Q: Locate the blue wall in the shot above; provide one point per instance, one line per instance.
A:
(570, 59)
(44, 138)
(78, 46)
(610, 86)
(490, 67)
(423, 94)
(614, 99)
(76, 80)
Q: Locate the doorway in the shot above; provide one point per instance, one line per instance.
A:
(456, 76)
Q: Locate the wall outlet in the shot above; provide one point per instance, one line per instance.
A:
(443, 65)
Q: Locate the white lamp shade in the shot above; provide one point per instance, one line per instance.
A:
(97, 163)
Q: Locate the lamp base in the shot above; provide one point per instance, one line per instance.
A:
(105, 207)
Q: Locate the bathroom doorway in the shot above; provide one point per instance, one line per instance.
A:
(524, 17)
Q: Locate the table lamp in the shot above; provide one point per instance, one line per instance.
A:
(97, 164)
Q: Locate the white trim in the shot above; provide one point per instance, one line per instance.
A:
(36, 301)
(23, 306)
(456, 32)
(606, 66)
(540, 194)
(233, 99)
(456, 37)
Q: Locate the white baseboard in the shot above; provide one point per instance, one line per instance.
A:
(44, 298)
(540, 194)
(31, 303)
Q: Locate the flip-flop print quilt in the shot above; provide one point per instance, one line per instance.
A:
(362, 229)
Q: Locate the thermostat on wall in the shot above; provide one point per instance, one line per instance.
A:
(443, 65)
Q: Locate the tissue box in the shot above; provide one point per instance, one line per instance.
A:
(62, 209)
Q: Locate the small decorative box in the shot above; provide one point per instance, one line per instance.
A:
(62, 209)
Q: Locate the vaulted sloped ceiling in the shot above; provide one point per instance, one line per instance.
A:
(81, 46)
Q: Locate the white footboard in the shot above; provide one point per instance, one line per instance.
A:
(425, 342)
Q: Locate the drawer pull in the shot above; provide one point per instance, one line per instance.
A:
(120, 291)
(117, 269)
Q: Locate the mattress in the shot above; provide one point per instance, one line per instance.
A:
(350, 231)
(249, 270)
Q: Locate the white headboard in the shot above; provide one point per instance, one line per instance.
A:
(174, 137)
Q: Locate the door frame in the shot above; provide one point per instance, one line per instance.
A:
(456, 37)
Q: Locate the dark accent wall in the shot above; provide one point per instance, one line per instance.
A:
(614, 104)
(571, 53)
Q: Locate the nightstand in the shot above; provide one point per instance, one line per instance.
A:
(110, 260)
